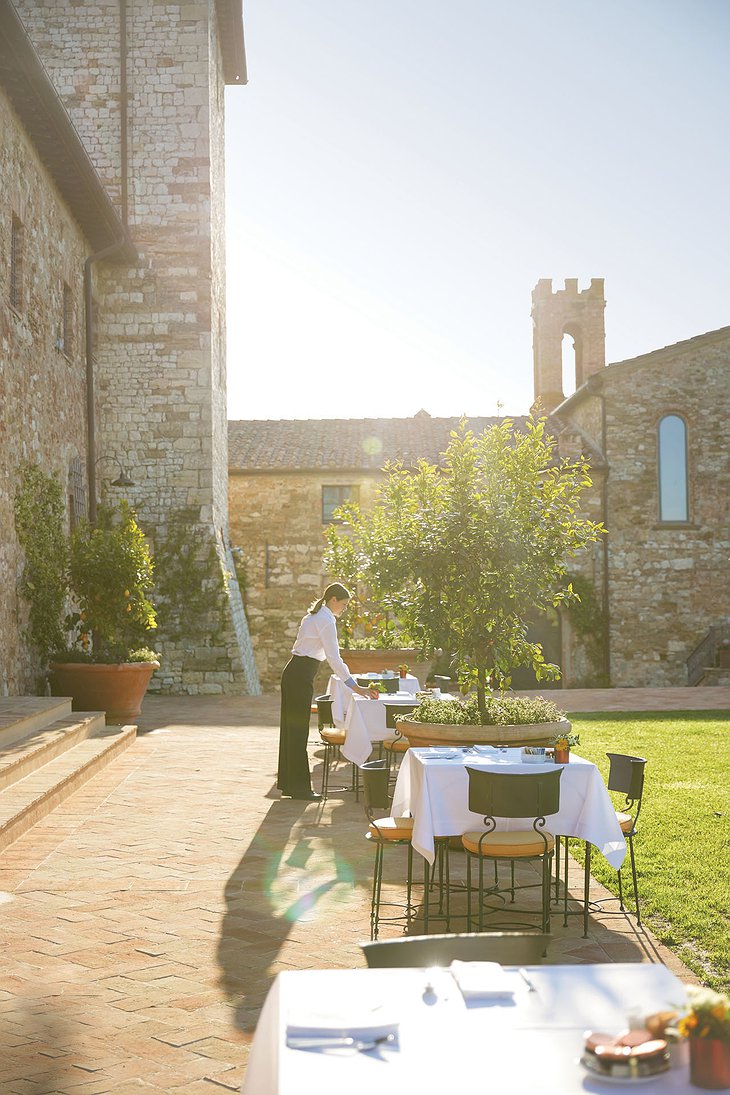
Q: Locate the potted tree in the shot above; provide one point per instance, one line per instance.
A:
(107, 663)
(462, 553)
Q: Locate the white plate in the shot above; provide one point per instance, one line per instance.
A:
(434, 753)
(625, 1080)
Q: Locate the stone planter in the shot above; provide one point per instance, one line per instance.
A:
(117, 690)
(440, 733)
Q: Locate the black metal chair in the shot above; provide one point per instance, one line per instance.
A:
(390, 685)
(385, 832)
(626, 775)
(508, 948)
(332, 739)
(506, 795)
(397, 745)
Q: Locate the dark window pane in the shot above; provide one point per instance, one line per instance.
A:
(672, 469)
(332, 497)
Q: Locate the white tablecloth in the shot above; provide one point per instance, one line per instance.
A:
(365, 723)
(342, 695)
(436, 793)
(529, 1043)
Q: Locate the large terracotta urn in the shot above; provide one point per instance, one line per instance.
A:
(118, 690)
(442, 733)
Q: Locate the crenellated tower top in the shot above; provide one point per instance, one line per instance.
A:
(569, 311)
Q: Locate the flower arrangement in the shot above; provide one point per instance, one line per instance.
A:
(708, 1015)
(565, 741)
(403, 668)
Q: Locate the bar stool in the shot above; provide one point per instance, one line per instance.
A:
(385, 832)
(332, 739)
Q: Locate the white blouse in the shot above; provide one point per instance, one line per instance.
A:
(317, 638)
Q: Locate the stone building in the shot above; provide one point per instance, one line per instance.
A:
(285, 479)
(654, 428)
(112, 294)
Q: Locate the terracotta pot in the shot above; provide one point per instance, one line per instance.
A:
(441, 733)
(709, 1063)
(117, 690)
(561, 756)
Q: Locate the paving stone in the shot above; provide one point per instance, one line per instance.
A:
(147, 917)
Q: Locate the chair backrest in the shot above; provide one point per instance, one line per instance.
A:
(504, 794)
(394, 711)
(374, 775)
(389, 684)
(324, 711)
(626, 775)
(509, 948)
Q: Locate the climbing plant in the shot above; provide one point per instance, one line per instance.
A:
(191, 582)
(39, 521)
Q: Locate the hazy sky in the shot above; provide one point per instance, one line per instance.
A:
(401, 173)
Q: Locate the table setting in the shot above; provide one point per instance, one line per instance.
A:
(518, 1029)
(432, 787)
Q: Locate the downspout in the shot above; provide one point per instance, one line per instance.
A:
(105, 253)
(604, 545)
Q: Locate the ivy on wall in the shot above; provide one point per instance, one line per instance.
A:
(191, 582)
(39, 521)
(588, 621)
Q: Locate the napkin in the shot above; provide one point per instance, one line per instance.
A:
(365, 1025)
(482, 980)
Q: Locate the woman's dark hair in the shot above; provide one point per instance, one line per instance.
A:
(336, 589)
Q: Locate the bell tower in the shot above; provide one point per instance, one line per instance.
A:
(568, 311)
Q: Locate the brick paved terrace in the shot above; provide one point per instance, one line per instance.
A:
(145, 918)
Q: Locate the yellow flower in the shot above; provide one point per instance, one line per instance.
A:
(126, 592)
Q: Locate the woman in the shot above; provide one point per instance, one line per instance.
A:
(316, 642)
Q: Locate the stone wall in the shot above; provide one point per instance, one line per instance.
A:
(160, 348)
(276, 521)
(42, 383)
(668, 583)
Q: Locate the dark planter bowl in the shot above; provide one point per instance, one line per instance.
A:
(118, 690)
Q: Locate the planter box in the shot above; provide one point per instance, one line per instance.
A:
(118, 690)
(441, 733)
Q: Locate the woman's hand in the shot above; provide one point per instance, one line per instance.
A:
(367, 693)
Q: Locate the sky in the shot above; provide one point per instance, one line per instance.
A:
(400, 173)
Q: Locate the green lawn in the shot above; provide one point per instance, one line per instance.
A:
(683, 844)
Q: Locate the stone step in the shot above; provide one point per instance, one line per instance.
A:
(30, 753)
(715, 675)
(30, 799)
(21, 716)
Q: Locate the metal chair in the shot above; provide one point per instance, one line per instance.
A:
(395, 747)
(331, 738)
(508, 948)
(626, 775)
(385, 832)
(390, 685)
(506, 795)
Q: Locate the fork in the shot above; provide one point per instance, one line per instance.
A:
(324, 1041)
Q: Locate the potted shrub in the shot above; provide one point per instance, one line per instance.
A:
(107, 662)
(464, 553)
(511, 720)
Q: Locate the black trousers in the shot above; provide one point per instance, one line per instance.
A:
(297, 690)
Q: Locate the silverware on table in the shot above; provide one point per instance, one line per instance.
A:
(326, 1041)
(523, 974)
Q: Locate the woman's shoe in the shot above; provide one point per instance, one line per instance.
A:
(307, 796)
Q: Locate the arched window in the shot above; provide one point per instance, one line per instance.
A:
(673, 469)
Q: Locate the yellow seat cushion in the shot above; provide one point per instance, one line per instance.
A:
(333, 737)
(397, 745)
(508, 845)
(626, 821)
(392, 828)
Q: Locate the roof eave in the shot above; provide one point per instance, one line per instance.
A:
(44, 117)
(232, 41)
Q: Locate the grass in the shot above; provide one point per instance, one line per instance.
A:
(683, 842)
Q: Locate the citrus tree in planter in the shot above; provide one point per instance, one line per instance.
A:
(111, 576)
(99, 652)
(464, 552)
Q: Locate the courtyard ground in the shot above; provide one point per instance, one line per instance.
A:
(144, 920)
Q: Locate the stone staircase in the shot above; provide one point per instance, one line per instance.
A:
(46, 753)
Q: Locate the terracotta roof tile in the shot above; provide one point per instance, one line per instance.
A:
(341, 443)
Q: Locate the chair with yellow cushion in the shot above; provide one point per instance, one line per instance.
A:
(385, 832)
(626, 775)
(332, 739)
(502, 795)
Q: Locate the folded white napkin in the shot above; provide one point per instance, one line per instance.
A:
(482, 980)
(365, 1025)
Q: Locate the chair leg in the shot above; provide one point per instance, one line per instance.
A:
(426, 892)
(468, 892)
(633, 875)
(326, 771)
(377, 879)
(586, 887)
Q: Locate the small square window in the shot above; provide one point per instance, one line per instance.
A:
(332, 497)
